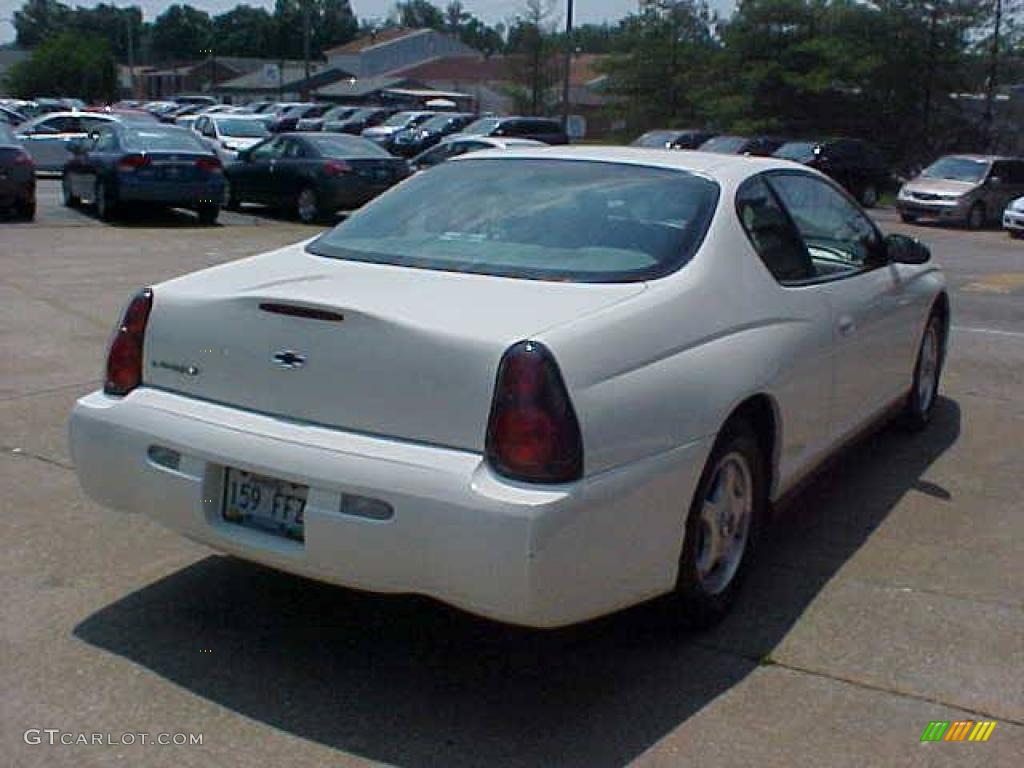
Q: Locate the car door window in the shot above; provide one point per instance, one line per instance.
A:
(59, 125)
(271, 150)
(293, 150)
(838, 235)
(90, 124)
(105, 142)
(772, 233)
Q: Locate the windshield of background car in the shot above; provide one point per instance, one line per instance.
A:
(483, 125)
(238, 128)
(957, 169)
(399, 119)
(334, 145)
(531, 218)
(724, 144)
(800, 151)
(437, 123)
(181, 140)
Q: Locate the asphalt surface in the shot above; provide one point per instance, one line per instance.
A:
(888, 596)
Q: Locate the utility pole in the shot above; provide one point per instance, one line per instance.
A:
(306, 46)
(993, 74)
(568, 67)
(131, 57)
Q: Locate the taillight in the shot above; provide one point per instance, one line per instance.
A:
(124, 358)
(533, 434)
(130, 163)
(211, 164)
(22, 158)
(336, 167)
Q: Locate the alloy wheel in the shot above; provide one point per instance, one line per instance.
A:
(307, 205)
(724, 525)
(928, 370)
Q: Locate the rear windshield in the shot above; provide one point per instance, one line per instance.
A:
(336, 145)
(242, 128)
(957, 169)
(542, 219)
(654, 139)
(169, 139)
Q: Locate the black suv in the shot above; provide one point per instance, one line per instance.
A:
(537, 128)
(854, 163)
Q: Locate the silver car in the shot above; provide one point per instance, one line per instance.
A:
(965, 189)
(46, 137)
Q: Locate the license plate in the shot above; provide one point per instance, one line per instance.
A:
(271, 505)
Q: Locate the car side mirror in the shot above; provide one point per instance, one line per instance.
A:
(906, 250)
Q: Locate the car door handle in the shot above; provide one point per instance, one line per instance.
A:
(846, 325)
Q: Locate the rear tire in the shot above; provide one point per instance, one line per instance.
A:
(307, 204)
(924, 390)
(908, 218)
(1016, 234)
(70, 200)
(103, 201)
(208, 214)
(26, 210)
(723, 526)
(976, 216)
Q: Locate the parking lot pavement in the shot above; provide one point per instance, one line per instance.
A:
(889, 595)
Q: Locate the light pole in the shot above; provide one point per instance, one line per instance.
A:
(568, 67)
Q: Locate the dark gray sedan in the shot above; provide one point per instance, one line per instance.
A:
(314, 174)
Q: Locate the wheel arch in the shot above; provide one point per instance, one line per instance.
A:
(761, 412)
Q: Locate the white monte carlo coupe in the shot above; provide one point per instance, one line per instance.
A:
(538, 384)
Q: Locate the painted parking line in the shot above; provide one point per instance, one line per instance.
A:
(990, 331)
(1002, 282)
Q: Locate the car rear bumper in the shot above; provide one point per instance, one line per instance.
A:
(531, 555)
(17, 191)
(350, 191)
(185, 194)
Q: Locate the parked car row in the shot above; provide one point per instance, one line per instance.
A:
(854, 163)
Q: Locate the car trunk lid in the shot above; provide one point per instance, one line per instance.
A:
(401, 352)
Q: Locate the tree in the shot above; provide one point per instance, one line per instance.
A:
(182, 32)
(663, 76)
(244, 31)
(533, 49)
(112, 24)
(331, 23)
(38, 20)
(67, 64)
(419, 14)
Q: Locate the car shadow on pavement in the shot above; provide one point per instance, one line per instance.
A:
(410, 682)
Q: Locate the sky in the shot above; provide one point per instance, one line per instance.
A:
(490, 11)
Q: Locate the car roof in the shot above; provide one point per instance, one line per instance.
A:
(980, 157)
(732, 168)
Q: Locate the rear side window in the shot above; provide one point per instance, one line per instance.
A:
(772, 233)
(533, 218)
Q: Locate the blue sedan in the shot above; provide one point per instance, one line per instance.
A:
(157, 165)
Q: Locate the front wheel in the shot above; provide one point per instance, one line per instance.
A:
(723, 526)
(908, 218)
(924, 390)
(976, 216)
